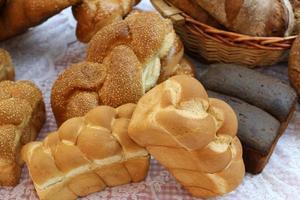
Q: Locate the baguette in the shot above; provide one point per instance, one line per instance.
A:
(252, 17)
(22, 114)
(85, 155)
(7, 71)
(192, 135)
(17, 16)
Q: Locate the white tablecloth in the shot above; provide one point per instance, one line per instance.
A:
(45, 51)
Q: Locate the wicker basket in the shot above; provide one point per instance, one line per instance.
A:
(214, 45)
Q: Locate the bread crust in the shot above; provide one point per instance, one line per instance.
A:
(22, 114)
(294, 66)
(124, 60)
(252, 17)
(92, 16)
(192, 135)
(7, 71)
(87, 154)
(17, 16)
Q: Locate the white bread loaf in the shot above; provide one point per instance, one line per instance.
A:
(86, 154)
(124, 60)
(192, 135)
(252, 17)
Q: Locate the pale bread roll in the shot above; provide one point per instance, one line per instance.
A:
(192, 135)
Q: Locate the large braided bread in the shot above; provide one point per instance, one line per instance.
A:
(124, 60)
(86, 154)
(92, 15)
(22, 114)
(7, 71)
(192, 135)
(16, 16)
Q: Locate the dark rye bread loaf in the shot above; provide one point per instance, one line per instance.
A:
(265, 92)
(263, 104)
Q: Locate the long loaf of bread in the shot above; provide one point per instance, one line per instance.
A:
(252, 17)
(17, 16)
(192, 135)
(86, 154)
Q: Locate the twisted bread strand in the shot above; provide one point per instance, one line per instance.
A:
(192, 135)
(86, 154)
(17, 16)
(7, 71)
(93, 15)
(124, 60)
(22, 114)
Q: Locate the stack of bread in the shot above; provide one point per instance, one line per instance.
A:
(132, 97)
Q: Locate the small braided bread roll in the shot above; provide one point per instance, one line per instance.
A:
(124, 60)
(16, 16)
(192, 135)
(86, 154)
(7, 71)
(93, 15)
(22, 115)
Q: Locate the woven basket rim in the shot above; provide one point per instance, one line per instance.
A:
(224, 36)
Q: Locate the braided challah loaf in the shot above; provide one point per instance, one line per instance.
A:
(22, 114)
(17, 16)
(124, 60)
(7, 71)
(192, 135)
(86, 154)
(92, 15)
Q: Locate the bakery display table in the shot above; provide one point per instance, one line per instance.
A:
(45, 51)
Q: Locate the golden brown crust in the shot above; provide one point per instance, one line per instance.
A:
(252, 17)
(22, 114)
(294, 65)
(92, 16)
(7, 71)
(17, 16)
(194, 10)
(86, 154)
(124, 60)
(193, 136)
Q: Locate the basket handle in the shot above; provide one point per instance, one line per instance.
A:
(169, 11)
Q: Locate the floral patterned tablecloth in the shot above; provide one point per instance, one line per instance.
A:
(43, 52)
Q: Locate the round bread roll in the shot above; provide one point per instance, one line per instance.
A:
(7, 71)
(192, 135)
(124, 60)
(93, 15)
